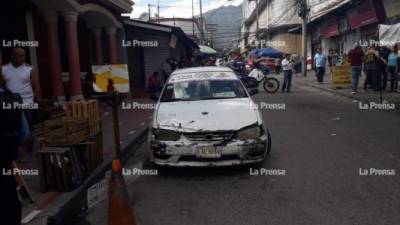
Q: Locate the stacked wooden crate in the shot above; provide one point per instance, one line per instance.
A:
(60, 168)
(87, 109)
(65, 131)
(72, 146)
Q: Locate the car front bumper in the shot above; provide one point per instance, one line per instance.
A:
(233, 152)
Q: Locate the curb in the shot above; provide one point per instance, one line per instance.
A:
(70, 205)
(332, 91)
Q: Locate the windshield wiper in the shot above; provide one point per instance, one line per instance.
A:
(179, 100)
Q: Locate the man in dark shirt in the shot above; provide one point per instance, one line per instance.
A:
(356, 56)
(384, 54)
(10, 120)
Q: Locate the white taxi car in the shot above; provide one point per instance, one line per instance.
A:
(205, 117)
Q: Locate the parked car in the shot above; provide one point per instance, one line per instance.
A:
(206, 117)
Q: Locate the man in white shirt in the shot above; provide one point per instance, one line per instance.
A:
(287, 66)
(19, 78)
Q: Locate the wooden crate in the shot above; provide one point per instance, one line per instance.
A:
(93, 154)
(60, 168)
(64, 132)
(88, 109)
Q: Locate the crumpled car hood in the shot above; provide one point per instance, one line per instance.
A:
(206, 115)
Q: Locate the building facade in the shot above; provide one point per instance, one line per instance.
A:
(64, 38)
(274, 20)
(349, 23)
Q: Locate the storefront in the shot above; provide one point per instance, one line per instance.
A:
(165, 42)
(68, 37)
(366, 17)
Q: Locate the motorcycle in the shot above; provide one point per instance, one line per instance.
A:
(260, 75)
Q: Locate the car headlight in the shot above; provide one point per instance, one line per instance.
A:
(166, 135)
(249, 133)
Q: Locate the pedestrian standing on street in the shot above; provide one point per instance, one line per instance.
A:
(330, 56)
(278, 65)
(194, 62)
(356, 56)
(13, 129)
(371, 66)
(320, 62)
(20, 79)
(173, 64)
(166, 69)
(393, 68)
(154, 83)
(335, 57)
(183, 63)
(287, 66)
(384, 55)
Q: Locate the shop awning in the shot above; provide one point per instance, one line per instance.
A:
(389, 34)
(207, 50)
(267, 52)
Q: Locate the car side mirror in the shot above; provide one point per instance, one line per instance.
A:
(253, 91)
(155, 97)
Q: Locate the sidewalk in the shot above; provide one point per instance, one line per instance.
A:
(133, 123)
(365, 96)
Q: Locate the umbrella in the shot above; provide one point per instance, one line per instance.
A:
(207, 50)
(269, 52)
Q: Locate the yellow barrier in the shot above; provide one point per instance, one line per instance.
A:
(341, 76)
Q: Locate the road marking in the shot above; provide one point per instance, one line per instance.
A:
(142, 124)
(130, 178)
(30, 216)
(132, 132)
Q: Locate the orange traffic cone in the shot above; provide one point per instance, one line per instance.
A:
(119, 211)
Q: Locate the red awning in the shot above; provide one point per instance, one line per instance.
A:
(362, 15)
(330, 28)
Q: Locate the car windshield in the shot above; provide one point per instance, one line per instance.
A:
(194, 90)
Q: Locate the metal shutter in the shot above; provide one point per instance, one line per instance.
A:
(155, 56)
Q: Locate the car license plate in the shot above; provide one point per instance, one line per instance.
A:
(208, 152)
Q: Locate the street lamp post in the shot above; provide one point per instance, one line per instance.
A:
(201, 23)
(257, 23)
(303, 12)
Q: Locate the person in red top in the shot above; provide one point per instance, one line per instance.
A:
(356, 56)
(153, 83)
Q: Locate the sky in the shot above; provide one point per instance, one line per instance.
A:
(178, 8)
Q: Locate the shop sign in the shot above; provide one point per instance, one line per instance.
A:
(330, 28)
(118, 73)
(362, 15)
(97, 193)
(392, 8)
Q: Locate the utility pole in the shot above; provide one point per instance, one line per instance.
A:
(201, 23)
(257, 24)
(193, 16)
(149, 12)
(158, 11)
(303, 12)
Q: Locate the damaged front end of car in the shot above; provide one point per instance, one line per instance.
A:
(199, 148)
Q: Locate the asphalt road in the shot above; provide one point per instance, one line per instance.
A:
(320, 140)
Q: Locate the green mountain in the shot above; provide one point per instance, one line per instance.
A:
(228, 20)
